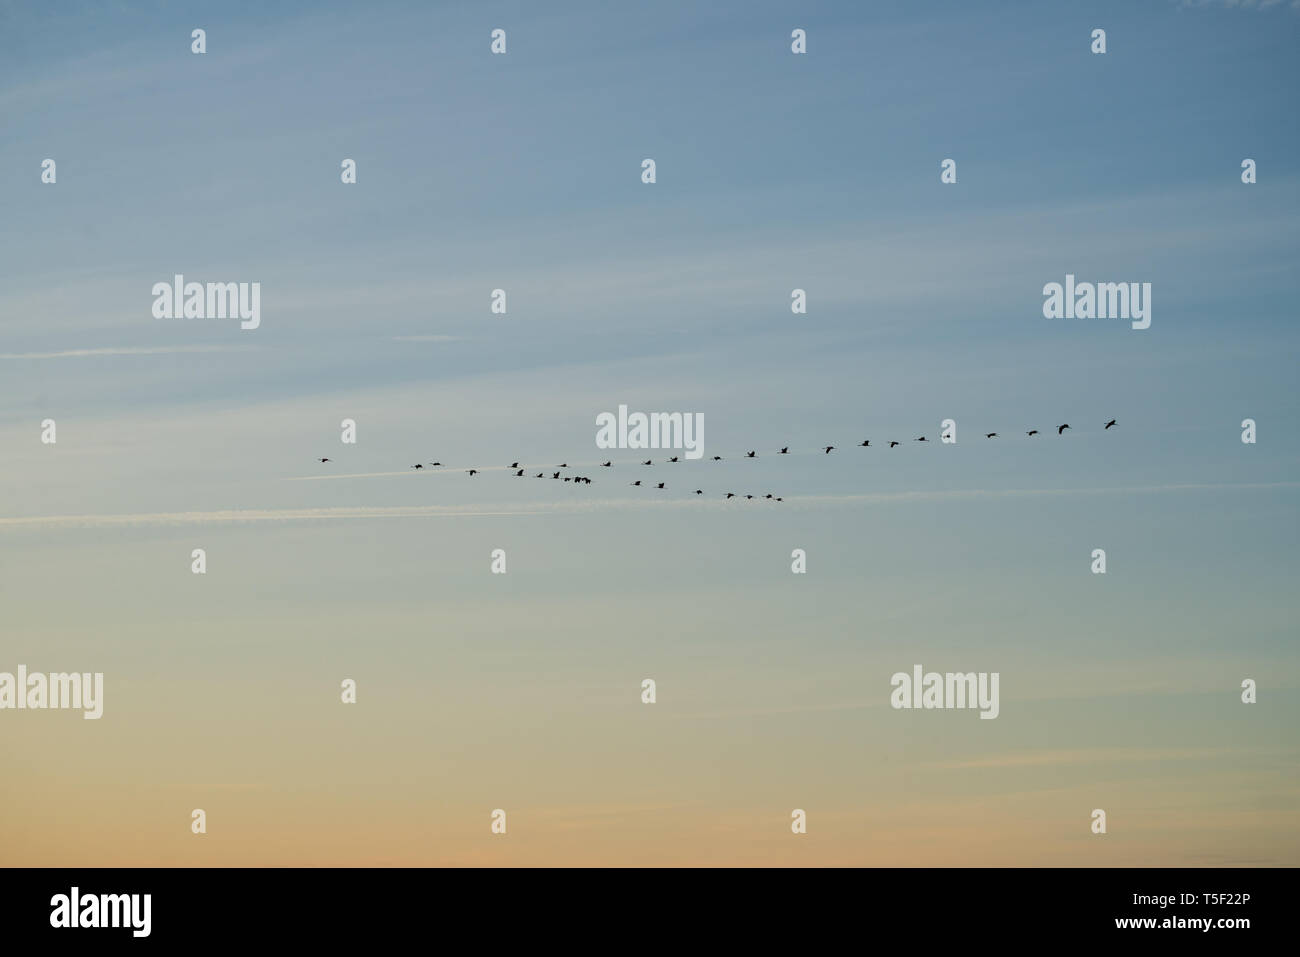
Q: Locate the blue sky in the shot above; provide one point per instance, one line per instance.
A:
(775, 171)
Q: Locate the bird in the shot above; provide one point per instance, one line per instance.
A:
(637, 482)
(322, 460)
(752, 453)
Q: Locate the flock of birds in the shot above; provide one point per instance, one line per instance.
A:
(751, 454)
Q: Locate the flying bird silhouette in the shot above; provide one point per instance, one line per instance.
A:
(752, 453)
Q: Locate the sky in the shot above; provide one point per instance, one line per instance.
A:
(522, 691)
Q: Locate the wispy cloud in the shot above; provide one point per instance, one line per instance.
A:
(571, 507)
(1089, 756)
(430, 338)
(1241, 4)
(356, 475)
(126, 351)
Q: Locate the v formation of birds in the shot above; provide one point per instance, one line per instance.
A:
(521, 471)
